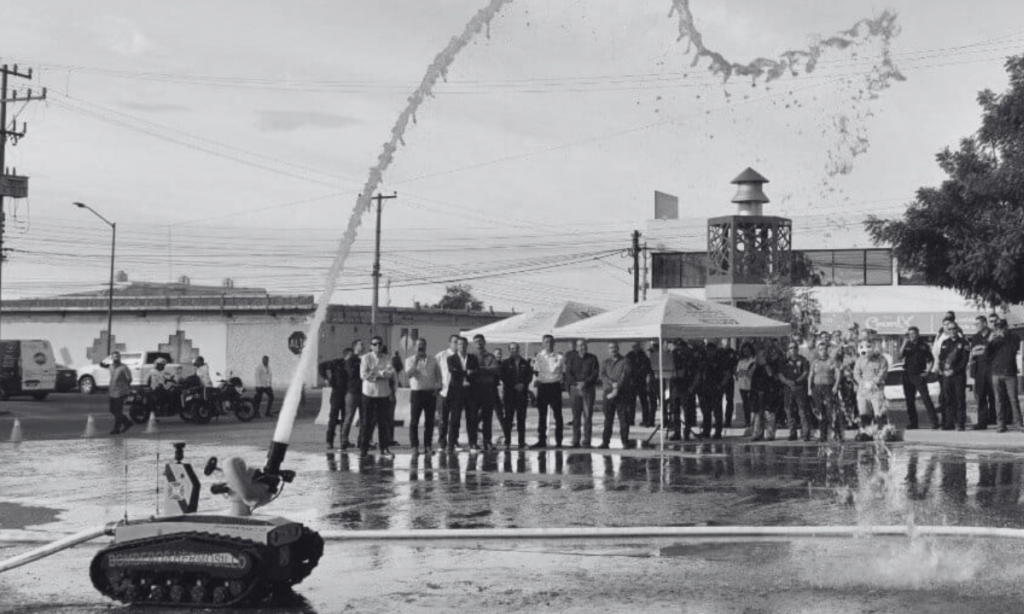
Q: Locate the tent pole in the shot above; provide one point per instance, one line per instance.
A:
(661, 390)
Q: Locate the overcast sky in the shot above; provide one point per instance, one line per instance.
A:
(230, 138)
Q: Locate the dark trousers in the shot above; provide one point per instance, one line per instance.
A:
(985, 397)
(729, 392)
(460, 401)
(549, 396)
(375, 415)
(646, 415)
(117, 410)
(353, 405)
(825, 406)
(257, 399)
(795, 401)
(582, 411)
(483, 399)
(443, 411)
(1005, 389)
(656, 398)
(612, 408)
(914, 385)
(421, 402)
(514, 411)
(711, 409)
(747, 399)
(674, 418)
(954, 388)
(336, 416)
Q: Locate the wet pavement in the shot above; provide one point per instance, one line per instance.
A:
(53, 487)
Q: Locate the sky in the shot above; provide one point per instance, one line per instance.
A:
(231, 139)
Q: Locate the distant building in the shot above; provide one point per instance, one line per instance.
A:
(232, 328)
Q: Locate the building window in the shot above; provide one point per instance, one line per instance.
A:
(679, 269)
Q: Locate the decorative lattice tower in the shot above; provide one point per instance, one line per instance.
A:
(746, 248)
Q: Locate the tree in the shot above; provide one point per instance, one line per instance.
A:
(780, 300)
(460, 297)
(968, 233)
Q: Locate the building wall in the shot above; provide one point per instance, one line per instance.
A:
(251, 338)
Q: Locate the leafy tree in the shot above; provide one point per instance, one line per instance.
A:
(780, 300)
(460, 297)
(968, 233)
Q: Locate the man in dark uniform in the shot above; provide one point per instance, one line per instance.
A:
(336, 375)
(729, 359)
(484, 387)
(642, 370)
(683, 389)
(953, 358)
(516, 375)
(712, 379)
(652, 390)
(917, 359)
(353, 392)
(793, 374)
(981, 370)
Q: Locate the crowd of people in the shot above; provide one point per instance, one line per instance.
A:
(826, 385)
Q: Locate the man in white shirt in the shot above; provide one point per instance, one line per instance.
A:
(549, 366)
(442, 398)
(376, 371)
(264, 383)
(424, 381)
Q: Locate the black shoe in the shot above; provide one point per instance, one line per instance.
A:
(758, 438)
(330, 445)
(386, 453)
(540, 445)
(978, 427)
(807, 438)
(474, 448)
(676, 437)
(792, 437)
(345, 445)
(127, 425)
(911, 427)
(960, 428)
(948, 428)
(364, 452)
(716, 437)
(1002, 429)
(115, 431)
(603, 446)
(586, 446)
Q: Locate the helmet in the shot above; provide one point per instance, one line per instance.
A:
(198, 362)
(160, 362)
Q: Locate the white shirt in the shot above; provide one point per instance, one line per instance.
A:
(936, 348)
(376, 372)
(203, 373)
(550, 367)
(263, 378)
(423, 372)
(442, 363)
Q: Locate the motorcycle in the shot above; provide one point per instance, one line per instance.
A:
(140, 402)
(199, 404)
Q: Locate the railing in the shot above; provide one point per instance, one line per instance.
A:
(165, 303)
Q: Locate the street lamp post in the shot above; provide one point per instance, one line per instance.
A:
(110, 292)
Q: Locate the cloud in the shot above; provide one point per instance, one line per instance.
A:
(284, 121)
(154, 107)
(121, 36)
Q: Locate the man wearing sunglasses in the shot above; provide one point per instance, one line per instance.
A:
(377, 372)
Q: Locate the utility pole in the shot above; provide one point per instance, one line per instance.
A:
(380, 198)
(635, 253)
(646, 284)
(10, 183)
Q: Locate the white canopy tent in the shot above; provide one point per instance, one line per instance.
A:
(529, 327)
(672, 316)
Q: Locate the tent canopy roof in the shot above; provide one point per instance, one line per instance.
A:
(531, 326)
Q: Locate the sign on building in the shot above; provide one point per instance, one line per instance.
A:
(297, 341)
(14, 186)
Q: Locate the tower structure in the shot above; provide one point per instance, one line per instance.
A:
(748, 247)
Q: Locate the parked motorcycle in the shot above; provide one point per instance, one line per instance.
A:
(140, 402)
(202, 405)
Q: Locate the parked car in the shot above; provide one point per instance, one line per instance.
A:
(894, 384)
(67, 379)
(93, 377)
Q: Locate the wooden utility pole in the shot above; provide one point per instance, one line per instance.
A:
(11, 184)
(380, 198)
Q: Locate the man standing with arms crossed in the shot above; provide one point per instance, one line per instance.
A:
(516, 375)
(376, 372)
(583, 375)
(120, 386)
(484, 389)
(981, 370)
(462, 370)
(917, 362)
(424, 380)
(549, 366)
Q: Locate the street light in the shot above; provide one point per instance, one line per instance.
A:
(110, 299)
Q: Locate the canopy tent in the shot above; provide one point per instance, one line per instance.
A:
(531, 326)
(672, 316)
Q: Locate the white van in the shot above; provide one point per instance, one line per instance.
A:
(27, 367)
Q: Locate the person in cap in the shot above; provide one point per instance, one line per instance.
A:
(917, 362)
(159, 382)
(824, 381)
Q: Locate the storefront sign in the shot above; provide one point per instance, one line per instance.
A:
(889, 323)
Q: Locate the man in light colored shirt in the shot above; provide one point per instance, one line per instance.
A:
(264, 382)
(549, 366)
(424, 381)
(120, 386)
(442, 397)
(376, 371)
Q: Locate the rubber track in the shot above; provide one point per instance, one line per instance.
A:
(103, 585)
